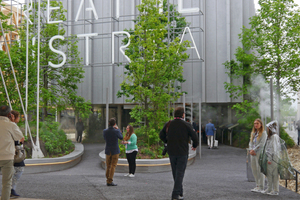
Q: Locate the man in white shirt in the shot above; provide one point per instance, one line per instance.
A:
(9, 133)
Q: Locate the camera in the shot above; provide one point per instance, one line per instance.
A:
(165, 149)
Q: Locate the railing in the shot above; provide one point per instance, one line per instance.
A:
(297, 172)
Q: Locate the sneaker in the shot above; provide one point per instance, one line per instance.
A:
(126, 174)
(256, 190)
(265, 191)
(273, 193)
(131, 175)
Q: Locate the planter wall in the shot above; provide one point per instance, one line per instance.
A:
(146, 165)
(54, 164)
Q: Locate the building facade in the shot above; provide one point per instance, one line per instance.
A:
(214, 27)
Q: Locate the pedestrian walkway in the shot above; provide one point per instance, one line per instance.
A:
(220, 174)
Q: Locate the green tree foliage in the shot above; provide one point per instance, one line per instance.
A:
(57, 85)
(270, 48)
(3, 17)
(53, 139)
(155, 66)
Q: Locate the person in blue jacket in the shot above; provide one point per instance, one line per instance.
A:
(112, 150)
(209, 130)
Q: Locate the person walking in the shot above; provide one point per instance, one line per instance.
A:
(79, 129)
(177, 139)
(257, 140)
(195, 126)
(130, 141)
(272, 150)
(8, 133)
(209, 130)
(18, 167)
(112, 150)
(298, 128)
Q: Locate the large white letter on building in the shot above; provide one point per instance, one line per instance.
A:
(92, 8)
(193, 47)
(49, 9)
(87, 35)
(57, 51)
(121, 48)
(186, 10)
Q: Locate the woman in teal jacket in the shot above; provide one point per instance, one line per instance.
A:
(130, 140)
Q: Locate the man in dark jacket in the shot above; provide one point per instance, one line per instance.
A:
(112, 150)
(79, 129)
(177, 139)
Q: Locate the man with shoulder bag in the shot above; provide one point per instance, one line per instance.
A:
(177, 139)
(8, 132)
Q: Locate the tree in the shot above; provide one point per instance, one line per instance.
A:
(5, 63)
(155, 66)
(57, 85)
(270, 48)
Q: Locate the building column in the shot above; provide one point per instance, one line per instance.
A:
(119, 119)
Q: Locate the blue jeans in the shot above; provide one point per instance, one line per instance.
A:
(17, 175)
(178, 164)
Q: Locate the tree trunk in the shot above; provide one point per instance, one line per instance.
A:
(278, 100)
(45, 99)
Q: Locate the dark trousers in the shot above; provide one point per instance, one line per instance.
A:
(79, 136)
(298, 137)
(178, 165)
(131, 161)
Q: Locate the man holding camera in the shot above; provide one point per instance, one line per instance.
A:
(177, 139)
(112, 150)
(9, 132)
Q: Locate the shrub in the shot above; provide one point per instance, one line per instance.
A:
(53, 141)
(285, 136)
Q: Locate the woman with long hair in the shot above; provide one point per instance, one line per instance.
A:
(257, 140)
(130, 141)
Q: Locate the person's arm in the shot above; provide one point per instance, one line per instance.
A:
(193, 136)
(132, 140)
(119, 134)
(270, 150)
(104, 134)
(206, 128)
(163, 134)
(17, 133)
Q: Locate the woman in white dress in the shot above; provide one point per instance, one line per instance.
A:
(257, 140)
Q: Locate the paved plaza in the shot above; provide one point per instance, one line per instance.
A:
(219, 174)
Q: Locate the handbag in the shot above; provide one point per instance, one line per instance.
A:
(20, 154)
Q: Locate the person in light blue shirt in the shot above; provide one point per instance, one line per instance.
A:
(209, 130)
